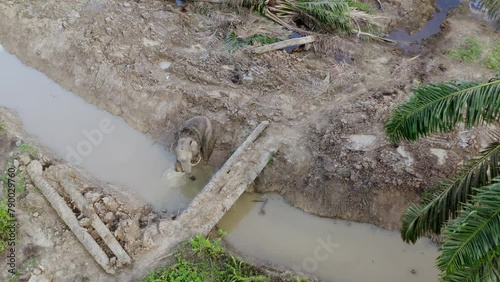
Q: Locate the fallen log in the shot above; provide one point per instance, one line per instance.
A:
(226, 186)
(66, 214)
(282, 44)
(250, 139)
(99, 226)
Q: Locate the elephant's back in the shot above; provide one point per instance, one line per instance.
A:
(201, 123)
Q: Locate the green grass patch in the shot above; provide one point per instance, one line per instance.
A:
(20, 183)
(493, 59)
(202, 259)
(468, 52)
(4, 225)
(27, 148)
(2, 127)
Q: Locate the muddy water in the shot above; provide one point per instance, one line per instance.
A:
(412, 42)
(284, 235)
(334, 250)
(96, 140)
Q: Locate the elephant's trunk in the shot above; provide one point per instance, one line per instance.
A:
(186, 167)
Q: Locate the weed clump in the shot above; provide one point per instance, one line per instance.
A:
(203, 259)
(468, 52)
(493, 59)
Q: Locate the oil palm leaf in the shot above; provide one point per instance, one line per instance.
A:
(439, 107)
(486, 269)
(493, 7)
(473, 237)
(443, 204)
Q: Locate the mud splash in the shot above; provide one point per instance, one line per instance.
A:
(411, 43)
(333, 250)
(284, 235)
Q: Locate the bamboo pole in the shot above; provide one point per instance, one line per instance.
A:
(66, 214)
(99, 226)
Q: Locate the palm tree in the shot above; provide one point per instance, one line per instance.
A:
(470, 217)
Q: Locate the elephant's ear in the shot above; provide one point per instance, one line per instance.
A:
(208, 143)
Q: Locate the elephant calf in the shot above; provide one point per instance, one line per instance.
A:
(196, 141)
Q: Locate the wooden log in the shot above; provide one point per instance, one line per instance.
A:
(250, 139)
(99, 226)
(236, 174)
(217, 197)
(66, 214)
(282, 44)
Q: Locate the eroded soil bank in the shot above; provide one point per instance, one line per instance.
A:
(155, 66)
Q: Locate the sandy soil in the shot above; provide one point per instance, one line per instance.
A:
(156, 66)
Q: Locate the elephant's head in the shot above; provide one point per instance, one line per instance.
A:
(186, 149)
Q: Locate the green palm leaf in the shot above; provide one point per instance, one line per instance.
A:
(445, 201)
(486, 269)
(439, 107)
(472, 236)
(493, 7)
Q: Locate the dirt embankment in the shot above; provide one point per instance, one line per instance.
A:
(155, 66)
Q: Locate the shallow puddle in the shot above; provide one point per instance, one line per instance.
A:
(334, 250)
(411, 42)
(94, 139)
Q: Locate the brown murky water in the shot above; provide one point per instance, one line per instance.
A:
(334, 250)
(112, 151)
(94, 139)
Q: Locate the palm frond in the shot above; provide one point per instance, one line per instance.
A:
(486, 269)
(445, 201)
(493, 7)
(323, 16)
(471, 237)
(439, 107)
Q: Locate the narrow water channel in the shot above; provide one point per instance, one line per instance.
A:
(412, 42)
(282, 235)
(334, 250)
(72, 129)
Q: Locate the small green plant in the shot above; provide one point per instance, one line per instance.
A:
(222, 233)
(20, 183)
(201, 246)
(272, 160)
(2, 127)
(4, 224)
(493, 59)
(4, 179)
(468, 52)
(26, 148)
